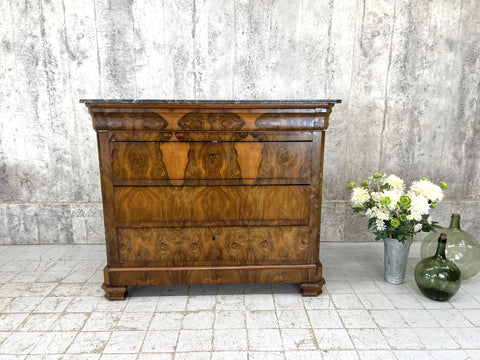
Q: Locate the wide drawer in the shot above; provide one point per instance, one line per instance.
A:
(212, 161)
(212, 205)
(213, 246)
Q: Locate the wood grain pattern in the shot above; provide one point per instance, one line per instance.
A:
(242, 136)
(140, 120)
(187, 119)
(208, 160)
(109, 216)
(136, 160)
(209, 136)
(213, 205)
(316, 191)
(245, 274)
(212, 160)
(285, 161)
(215, 246)
(114, 292)
(211, 121)
(307, 120)
(312, 289)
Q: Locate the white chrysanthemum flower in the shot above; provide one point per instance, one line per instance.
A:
(415, 216)
(360, 196)
(380, 225)
(429, 190)
(394, 196)
(395, 182)
(374, 211)
(377, 196)
(419, 205)
(417, 227)
(429, 220)
(383, 215)
(370, 213)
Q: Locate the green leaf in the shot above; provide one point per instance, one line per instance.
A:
(380, 235)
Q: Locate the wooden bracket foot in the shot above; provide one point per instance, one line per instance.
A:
(114, 292)
(312, 289)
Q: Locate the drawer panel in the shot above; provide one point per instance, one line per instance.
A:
(212, 205)
(213, 246)
(210, 136)
(210, 119)
(212, 160)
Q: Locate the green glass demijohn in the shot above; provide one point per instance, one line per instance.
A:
(462, 248)
(437, 277)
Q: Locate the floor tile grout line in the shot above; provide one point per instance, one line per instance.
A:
(213, 323)
(181, 325)
(145, 335)
(343, 323)
(278, 322)
(317, 345)
(246, 325)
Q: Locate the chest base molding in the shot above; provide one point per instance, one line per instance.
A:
(308, 276)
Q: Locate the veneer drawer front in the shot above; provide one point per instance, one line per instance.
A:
(212, 205)
(210, 119)
(213, 246)
(212, 160)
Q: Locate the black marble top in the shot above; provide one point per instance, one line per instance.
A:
(257, 102)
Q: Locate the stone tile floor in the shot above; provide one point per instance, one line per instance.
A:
(52, 307)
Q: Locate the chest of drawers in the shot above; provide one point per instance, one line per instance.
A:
(198, 192)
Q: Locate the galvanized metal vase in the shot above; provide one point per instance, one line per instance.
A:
(395, 260)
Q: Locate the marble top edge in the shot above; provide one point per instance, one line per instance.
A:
(164, 101)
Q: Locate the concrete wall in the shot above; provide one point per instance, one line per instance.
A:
(408, 73)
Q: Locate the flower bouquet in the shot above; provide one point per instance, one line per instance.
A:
(394, 212)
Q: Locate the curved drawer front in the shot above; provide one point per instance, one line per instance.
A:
(212, 160)
(212, 205)
(213, 246)
(210, 119)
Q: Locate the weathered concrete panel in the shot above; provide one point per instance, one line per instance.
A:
(333, 221)
(461, 147)
(338, 71)
(371, 63)
(36, 224)
(251, 64)
(84, 81)
(214, 54)
(115, 43)
(80, 223)
(87, 223)
(179, 42)
(407, 72)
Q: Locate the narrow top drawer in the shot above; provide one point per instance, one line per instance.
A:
(286, 116)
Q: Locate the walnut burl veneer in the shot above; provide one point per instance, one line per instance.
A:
(219, 192)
